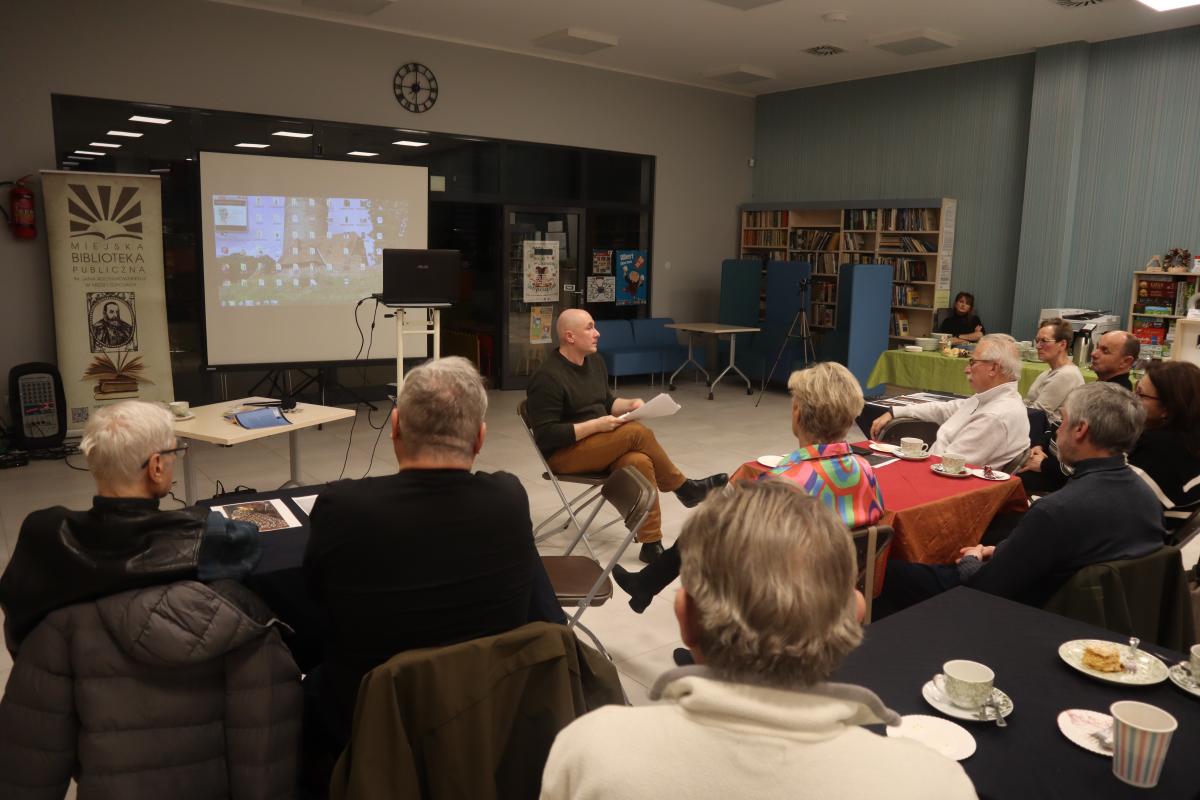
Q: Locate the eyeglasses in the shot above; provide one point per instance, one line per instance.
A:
(180, 449)
(1044, 341)
(1143, 396)
(971, 362)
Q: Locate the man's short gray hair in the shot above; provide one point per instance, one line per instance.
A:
(441, 406)
(119, 438)
(1001, 349)
(1113, 414)
(770, 571)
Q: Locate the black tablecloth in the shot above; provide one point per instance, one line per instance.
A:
(1030, 758)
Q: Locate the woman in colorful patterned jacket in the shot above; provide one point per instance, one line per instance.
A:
(826, 398)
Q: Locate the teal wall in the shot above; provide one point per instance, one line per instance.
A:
(1071, 166)
(951, 132)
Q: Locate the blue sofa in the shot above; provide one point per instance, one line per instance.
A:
(639, 347)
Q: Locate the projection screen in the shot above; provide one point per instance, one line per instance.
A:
(292, 244)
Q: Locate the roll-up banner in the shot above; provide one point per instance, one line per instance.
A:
(110, 307)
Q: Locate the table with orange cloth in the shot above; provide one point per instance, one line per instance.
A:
(933, 517)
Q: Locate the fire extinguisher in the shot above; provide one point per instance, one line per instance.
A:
(22, 220)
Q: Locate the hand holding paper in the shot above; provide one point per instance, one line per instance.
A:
(660, 406)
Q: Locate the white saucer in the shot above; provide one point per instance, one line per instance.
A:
(939, 701)
(1078, 725)
(948, 738)
(921, 457)
(185, 418)
(936, 469)
(771, 462)
(1180, 676)
(881, 447)
(997, 475)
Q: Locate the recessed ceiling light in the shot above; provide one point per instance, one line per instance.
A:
(90, 153)
(292, 134)
(104, 144)
(83, 158)
(407, 143)
(151, 120)
(127, 134)
(161, 169)
(363, 153)
(410, 130)
(1169, 5)
(252, 145)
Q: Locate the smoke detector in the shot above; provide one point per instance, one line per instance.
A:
(825, 50)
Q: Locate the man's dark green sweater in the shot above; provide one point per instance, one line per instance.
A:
(562, 394)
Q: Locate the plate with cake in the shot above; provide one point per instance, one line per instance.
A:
(1113, 662)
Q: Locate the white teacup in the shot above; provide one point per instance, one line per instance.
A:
(180, 408)
(913, 447)
(966, 684)
(1194, 661)
(953, 463)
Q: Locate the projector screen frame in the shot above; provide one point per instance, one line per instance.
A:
(364, 325)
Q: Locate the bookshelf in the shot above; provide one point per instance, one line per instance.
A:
(915, 238)
(1156, 301)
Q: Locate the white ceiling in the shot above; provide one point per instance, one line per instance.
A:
(686, 40)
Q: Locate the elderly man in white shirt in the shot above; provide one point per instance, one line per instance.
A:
(990, 427)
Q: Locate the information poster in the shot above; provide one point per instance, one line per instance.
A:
(540, 260)
(104, 232)
(602, 262)
(631, 277)
(541, 323)
(941, 294)
(601, 289)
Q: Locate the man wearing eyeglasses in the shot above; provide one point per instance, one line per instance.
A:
(124, 541)
(991, 427)
(1050, 389)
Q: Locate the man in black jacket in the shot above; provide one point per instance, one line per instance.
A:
(432, 555)
(124, 541)
(1104, 513)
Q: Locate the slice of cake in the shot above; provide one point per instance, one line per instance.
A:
(1102, 657)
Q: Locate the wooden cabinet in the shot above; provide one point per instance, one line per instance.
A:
(913, 237)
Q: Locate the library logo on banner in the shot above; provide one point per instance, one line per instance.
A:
(94, 213)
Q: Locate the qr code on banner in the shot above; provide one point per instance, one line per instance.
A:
(79, 415)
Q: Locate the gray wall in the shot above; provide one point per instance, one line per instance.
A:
(951, 132)
(210, 55)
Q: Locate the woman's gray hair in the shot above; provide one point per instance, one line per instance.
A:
(826, 398)
(1001, 349)
(770, 571)
(1113, 414)
(119, 438)
(440, 407)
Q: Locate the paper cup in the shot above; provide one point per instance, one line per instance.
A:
(1141, 735)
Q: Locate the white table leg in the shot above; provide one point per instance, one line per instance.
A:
(690, 360)
(189, 478)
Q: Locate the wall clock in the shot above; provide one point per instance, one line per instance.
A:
(416, 87)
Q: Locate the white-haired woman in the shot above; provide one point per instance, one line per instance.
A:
(768, 609)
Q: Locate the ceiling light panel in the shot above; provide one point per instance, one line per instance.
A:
(126, 134)
(150, 120)
(90, 153)
(109, 145)
(407, 143)
(252, 145)
(578, 41)
(744, 5)
(292, 134)
(362, 153)
(1169, 5)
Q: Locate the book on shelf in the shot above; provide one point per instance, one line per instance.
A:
(906, 244)
(814, 239)
(910, 219)
(862, 219)
(765, 219)
(899, 323)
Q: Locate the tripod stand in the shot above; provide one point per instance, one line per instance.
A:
(798, 330)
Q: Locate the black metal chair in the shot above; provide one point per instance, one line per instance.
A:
(900, 427)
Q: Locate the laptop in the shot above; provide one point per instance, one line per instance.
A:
(420, 277)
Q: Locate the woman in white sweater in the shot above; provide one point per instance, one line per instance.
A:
(1050, 389)
(768, 610)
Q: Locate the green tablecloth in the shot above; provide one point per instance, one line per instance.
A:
(934, 372)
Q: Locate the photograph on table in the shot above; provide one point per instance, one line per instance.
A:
(268, 515)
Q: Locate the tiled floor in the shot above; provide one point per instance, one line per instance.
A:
(703, 438)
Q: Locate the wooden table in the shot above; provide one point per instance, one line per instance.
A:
(933, 517)
(935, 372)
(209, 425)
(712, 329)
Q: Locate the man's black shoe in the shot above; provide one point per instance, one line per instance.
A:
(650, 551)
(683, 657)
(692, 492)
(630, 582)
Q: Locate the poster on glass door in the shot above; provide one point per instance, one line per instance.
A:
(540, 261)
(631, 277)
(601, 289)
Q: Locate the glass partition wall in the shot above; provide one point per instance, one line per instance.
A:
(486, 197)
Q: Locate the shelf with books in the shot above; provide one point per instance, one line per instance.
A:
(1156, 301)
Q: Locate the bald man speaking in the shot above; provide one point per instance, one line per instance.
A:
(576, 422)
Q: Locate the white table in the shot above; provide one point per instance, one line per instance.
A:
(209, 425)
(712, 329)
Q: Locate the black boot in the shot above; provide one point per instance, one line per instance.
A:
(692, 492)
(639, 598)
(650, 551)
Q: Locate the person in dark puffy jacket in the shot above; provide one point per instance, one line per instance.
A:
(182, 691)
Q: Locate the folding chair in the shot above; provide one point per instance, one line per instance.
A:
(580, 581)
(872, 545)
(573, 507)
(1187, 531)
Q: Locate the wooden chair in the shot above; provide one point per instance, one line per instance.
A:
(872, 545)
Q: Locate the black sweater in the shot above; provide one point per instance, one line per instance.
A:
(561, 394)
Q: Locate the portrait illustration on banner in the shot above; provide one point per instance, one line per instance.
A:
(112, 328)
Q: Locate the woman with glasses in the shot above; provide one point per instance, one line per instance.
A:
(1050, 389)
(963, 324)
(1167, 455)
